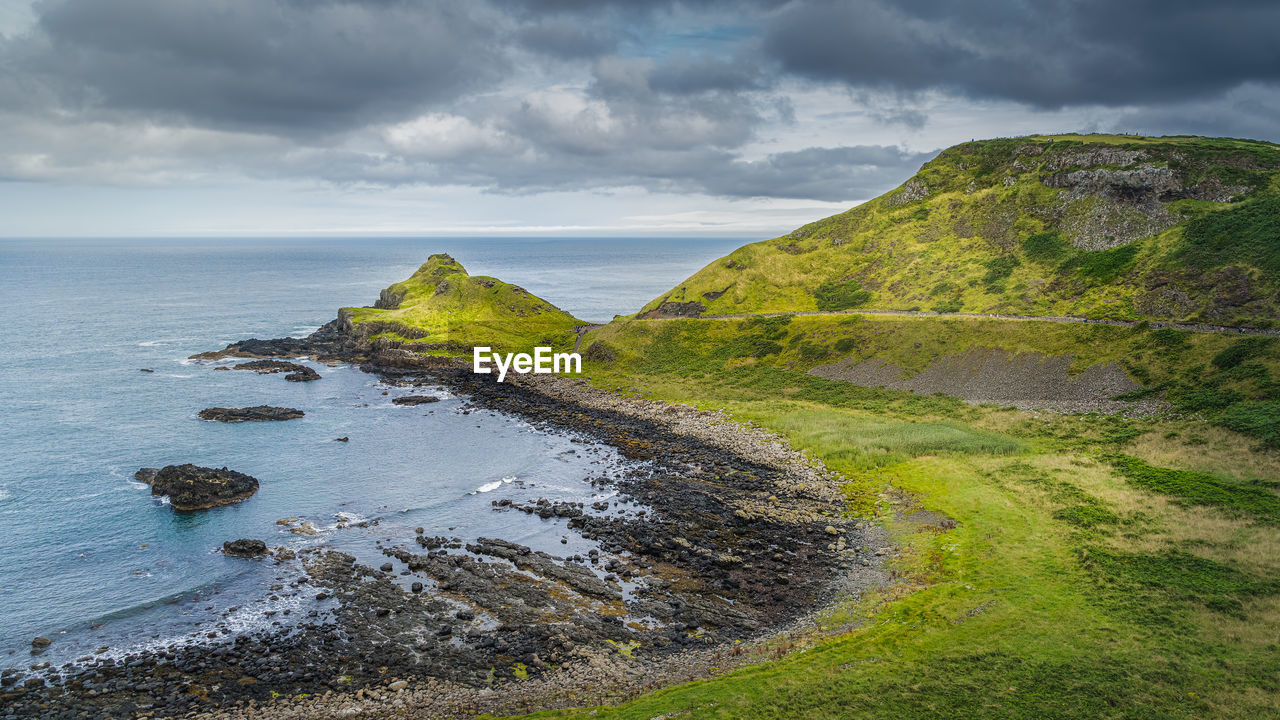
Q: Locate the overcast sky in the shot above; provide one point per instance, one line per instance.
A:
(595, 117)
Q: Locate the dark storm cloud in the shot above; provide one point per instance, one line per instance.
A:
(563, 38)
(1047, 54)
(294, 65)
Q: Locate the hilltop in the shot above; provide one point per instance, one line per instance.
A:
(1180, 229)
(442, 308)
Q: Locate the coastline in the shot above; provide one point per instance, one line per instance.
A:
(665, 610)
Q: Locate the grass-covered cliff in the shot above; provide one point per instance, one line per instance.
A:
(1182, 228)
(443, 309)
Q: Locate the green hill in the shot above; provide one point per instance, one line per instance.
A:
(1176, 228)
(443, 309)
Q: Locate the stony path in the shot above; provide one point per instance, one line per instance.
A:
(995, 316)
(583, 330)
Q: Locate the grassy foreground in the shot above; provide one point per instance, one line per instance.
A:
(1099, 566)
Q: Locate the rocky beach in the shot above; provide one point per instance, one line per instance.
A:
(716, 535)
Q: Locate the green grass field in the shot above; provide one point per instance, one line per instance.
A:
(1099, 567)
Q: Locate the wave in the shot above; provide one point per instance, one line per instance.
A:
(491, 486)
(153, 343)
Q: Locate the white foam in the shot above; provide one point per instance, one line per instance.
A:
(152, 343)
(490, 487)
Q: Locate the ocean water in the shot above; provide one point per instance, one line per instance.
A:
(89, 558)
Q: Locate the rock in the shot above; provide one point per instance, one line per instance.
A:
(344, 438)
(397, 686)
(146, 370)
(831, 530)
(386, 567)
(256, 413)
(416, 587)
(415, 400)
(191, 487)
(244, 548)
(41, 642)
(293, 371)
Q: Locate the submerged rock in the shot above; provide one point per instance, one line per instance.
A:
(415, 400)
(41, 642)
(256, 413)
(294, 371)
(244, 547)
(191, 487)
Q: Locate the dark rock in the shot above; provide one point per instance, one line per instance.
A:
(416, 587)
(191, 487)
(293, 371)
(415, 400)
(256, 413)
(146, 370)
(244, 548)
(669, 309)
(344, 438)
(386, 567)
(41, 642)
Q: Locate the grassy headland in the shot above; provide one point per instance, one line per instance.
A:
(441, 309)
(1123, 227)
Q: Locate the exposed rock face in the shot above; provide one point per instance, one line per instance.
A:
(244, 548)
(669, 309)
(294, 371)
(415, 400)
(389, 300)
(191, 487)
(257, 413)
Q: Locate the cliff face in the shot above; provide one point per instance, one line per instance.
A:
(1108, 226)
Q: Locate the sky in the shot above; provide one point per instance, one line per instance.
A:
(572, 117)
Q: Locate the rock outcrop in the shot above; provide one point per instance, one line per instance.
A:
(293, 371)
(415, 400)
(191, 487)
(244, 547)
(256, 413)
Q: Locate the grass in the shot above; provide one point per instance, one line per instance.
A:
(1069, 587)
(442, 309)
(1005, 242)
(1255, 499)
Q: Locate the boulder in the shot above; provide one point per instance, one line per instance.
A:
(244, 548)
(191, 487)
(415, 400)
(256, 413)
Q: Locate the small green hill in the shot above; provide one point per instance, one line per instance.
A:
(1175, 228)
(442, 309)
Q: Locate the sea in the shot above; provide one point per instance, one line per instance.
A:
(90, 559)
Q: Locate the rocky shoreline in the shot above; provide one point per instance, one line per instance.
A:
(721, 535)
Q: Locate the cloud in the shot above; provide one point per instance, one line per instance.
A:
(289, 66)
(1050, 54)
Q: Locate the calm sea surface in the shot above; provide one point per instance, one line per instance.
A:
(90, 559)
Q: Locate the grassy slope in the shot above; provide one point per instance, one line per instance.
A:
(443, 309)
(977, 229)
(1083, 579)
